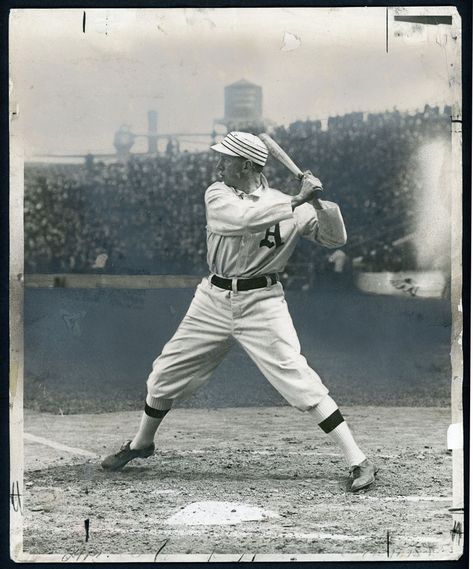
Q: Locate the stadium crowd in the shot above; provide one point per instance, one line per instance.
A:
(146, 215)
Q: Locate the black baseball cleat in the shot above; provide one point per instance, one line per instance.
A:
(124, 455)
(363, 475)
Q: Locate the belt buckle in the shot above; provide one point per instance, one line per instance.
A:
(234, 285)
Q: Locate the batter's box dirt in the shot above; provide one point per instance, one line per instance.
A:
(253, 494)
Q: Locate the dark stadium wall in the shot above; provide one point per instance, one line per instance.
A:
(91, 350)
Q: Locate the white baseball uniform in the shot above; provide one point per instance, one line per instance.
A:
(248, 235)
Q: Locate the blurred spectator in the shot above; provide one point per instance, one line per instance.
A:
(146, 215)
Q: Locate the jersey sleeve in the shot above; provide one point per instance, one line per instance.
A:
(324, 226)
(229, 214)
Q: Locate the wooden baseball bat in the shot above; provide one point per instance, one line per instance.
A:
(278, 153)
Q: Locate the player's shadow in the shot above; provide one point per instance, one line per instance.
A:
(337, 482)
(190, 476)
(322, 476)
(154, 471)
(332, 477)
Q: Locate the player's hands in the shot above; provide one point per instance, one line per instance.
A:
(309, 186)
(309, 179)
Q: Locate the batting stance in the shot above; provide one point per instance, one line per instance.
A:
(252, 230)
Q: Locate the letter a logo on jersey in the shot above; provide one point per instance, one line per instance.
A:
(275, 234)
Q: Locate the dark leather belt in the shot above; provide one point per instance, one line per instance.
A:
(245, 284)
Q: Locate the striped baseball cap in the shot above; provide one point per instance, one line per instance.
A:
(245, 145)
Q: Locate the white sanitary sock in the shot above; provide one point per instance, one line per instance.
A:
(155, 411)
(340, 434)
(146, 432)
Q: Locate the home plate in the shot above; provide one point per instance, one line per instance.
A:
(218, 513)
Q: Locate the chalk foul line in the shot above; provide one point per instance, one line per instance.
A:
(407, 498)
(58, 446)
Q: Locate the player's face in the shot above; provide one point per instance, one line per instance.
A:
(230, 170)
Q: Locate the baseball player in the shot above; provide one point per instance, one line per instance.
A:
(252, 230)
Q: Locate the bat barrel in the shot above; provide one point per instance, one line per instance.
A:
(277, 152)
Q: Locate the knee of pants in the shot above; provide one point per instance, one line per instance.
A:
(171, 381)
(309, 401)
(173, 387)
(161, 373)
(301, 390)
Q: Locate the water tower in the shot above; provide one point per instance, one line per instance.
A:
(243, 107)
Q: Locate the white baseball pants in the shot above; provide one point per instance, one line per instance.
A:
(259, 320)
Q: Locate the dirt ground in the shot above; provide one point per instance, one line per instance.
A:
(275, 459)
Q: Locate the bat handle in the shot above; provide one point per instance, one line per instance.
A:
(300, 174)
(318, 193)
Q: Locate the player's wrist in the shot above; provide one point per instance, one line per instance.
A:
(317, 203)
(307, 194)
(296, 201)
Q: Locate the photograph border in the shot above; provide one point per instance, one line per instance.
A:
(460, 296)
